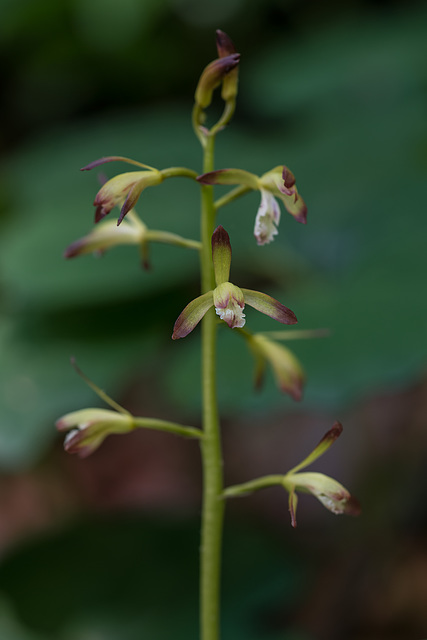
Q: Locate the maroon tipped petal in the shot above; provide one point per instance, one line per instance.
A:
(334, 432)
(269, 306)
(220, 240)
(224, 44)
(352, 507)
(294, 389)
(211, 176)
(74, 249)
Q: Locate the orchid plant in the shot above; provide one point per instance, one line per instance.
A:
(220, 304)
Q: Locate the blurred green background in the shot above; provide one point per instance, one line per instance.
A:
(106, 548)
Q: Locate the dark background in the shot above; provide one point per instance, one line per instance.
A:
(106, 548)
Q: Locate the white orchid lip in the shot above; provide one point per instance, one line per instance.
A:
(229, 304)
(267, 218)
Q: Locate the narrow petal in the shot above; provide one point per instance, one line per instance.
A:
(288, 372)
(192, 314)
(327, 441)
(230, 176)
(83, 416)
(131, 199)
(113, 192)
(221, 255)
(295, 205)
(293, 503)
(269, 306)
(149, 179)
(100, 161)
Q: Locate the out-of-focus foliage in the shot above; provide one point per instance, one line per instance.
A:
(120, 591)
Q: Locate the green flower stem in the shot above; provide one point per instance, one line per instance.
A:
(230, 196)
(178, 172)
(169, 427)
(197, 118)
(213, 506)
(172, 238)
(239, 490)
(227, 114)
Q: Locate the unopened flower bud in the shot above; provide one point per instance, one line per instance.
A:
(88, 428)
(225, 47)
(212, 77)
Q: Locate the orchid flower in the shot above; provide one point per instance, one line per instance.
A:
(229, 301)
(277, 183)
(131, 231)
(88, 428)
(287, 370)
(328, 491)
(126, 187)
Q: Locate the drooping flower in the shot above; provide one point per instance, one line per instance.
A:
(287, 370)
(88, 428)
(212, 76)
(124, 188)
(225, 47)
(106, 235)
(228, 299)
(277, 183)
(328, 491)
(132, 231)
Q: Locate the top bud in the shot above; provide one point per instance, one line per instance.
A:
(225, 47)
(224, 44)
(212, 77)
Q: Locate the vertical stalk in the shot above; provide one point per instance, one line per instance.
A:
(213, 505)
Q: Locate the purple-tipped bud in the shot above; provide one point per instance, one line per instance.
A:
(212, 77)
(224, 44)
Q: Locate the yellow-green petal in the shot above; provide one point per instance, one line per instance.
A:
(269, 306)
(191, 315)
(221, 255)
